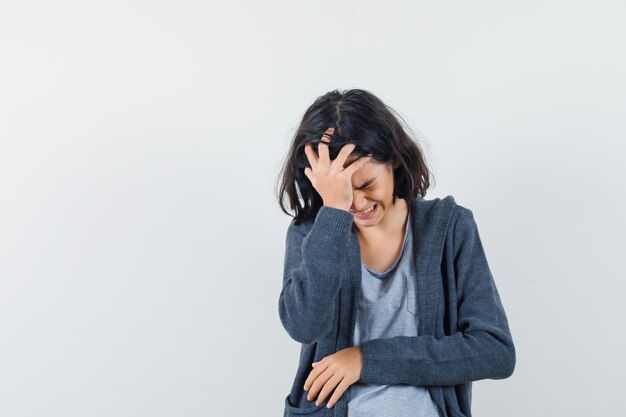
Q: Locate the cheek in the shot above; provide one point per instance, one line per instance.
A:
(377, 194)
(383, 192)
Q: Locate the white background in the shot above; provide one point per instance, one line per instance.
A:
(141, 243)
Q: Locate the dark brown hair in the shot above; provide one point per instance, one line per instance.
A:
(361, 118)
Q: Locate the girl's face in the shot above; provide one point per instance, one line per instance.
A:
(372, 186)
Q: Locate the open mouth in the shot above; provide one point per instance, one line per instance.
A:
(367, 213)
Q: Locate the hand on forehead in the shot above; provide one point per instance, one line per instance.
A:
(350, 159)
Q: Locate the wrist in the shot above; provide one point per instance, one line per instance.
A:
(337, 206)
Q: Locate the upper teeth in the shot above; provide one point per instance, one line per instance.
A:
(366, 211)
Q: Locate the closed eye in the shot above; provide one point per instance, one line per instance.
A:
(366, 184)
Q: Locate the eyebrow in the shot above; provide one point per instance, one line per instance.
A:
(365, 184)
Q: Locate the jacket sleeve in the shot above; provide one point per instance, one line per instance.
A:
(314, 265)
(482, 346)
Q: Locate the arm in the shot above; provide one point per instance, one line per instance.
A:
(481, 348)
(314, 266)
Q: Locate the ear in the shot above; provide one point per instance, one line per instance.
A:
(396, 165)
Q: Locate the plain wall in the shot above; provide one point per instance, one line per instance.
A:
(141, 243)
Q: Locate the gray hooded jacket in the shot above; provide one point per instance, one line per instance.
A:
(463, 334)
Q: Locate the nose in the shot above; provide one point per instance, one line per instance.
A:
(359, 202)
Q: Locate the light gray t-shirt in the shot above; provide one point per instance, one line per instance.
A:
(388, 308)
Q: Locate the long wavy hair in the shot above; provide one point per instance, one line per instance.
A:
(358, 117)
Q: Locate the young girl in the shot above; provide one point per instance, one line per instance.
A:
(390, 294)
